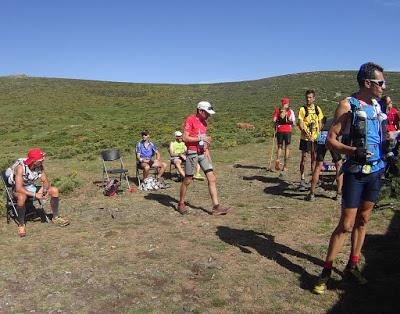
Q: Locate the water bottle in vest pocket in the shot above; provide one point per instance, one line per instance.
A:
(322, 136)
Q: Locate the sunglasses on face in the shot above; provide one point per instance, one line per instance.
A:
(381, 83)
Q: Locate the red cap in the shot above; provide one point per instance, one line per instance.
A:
(34, 155)
(285, 101)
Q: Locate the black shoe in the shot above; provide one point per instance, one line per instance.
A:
(353, 273)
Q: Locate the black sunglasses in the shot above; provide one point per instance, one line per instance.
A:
(378, 82)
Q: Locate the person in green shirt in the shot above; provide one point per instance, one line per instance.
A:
(177, 151)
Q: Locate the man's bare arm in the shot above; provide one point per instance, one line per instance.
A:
(188, 138)
(45, 180)
(342, 120)
(19, 187)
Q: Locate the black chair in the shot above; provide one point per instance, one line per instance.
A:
(32, 211)
(114, 159)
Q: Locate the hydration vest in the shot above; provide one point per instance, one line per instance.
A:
(317, 110)
(28, 176)
(366, 131)
(288, 119)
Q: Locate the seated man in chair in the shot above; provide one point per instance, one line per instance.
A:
(22, 175)
(145, 151)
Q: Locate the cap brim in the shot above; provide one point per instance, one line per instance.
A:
(29, 161)
(32, 160)
(209, 111)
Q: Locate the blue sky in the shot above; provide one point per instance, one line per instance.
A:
(187, 41)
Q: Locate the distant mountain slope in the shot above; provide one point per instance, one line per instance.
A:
(77, 118)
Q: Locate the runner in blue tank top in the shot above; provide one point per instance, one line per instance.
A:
(359, 119)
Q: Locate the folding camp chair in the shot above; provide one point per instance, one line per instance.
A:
(113, 158)
(32, 211)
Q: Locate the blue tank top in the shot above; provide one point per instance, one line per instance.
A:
(374, 140)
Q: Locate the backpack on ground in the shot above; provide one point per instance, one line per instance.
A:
(111, 187)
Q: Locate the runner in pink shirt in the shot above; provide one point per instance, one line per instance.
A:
(197, 142)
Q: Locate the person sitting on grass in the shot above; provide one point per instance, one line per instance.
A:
(22, 175)
(145, 151)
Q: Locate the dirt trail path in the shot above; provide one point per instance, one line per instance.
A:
(136, 254)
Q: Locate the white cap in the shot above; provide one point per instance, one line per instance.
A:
(178, 133)
(206, 106)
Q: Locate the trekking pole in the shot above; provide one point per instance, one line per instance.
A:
(272, 151)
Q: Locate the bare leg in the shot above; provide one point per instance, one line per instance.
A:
(315, 176)
(285, 166)
(279, 152)
(146, 170)
(339, 177)
(184, 186)
(302, 164)
(212, 187)
(178, 165)
(313, 156)
(360, 227)
(345, 225)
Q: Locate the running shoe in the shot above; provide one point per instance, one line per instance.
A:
(199, 177)
(322, 281)
(310, 197)
(303, 185)
(182, 208)
(60, 221)
(353, 273)
(337, 197)
(218, 210)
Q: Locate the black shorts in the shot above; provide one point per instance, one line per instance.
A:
(283, 137)
(321, 152)
(307, 146)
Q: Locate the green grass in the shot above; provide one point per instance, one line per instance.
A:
(76, 119)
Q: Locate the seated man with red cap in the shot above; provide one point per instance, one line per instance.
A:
(22, 175)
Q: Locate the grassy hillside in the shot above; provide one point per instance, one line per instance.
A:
(76, 118)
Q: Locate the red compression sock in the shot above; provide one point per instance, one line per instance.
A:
(354, 259)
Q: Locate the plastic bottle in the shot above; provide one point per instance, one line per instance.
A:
(201, 142)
